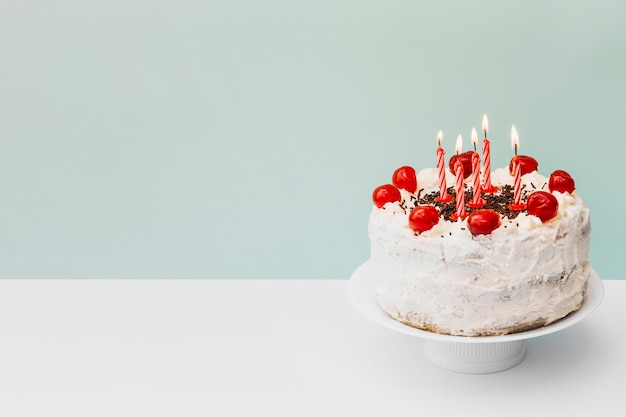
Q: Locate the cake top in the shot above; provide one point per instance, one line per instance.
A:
(478, 199)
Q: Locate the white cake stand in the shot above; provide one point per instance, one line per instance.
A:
(472, 355)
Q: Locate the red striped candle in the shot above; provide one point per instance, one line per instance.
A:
(517, 183)
(443, 197)
(487, 188)
(517, 173)
(460, 193)
(477, 201)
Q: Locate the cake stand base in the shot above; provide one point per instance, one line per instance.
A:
(475, 358)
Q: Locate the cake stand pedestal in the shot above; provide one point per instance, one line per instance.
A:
(471, 355)
(475, 358)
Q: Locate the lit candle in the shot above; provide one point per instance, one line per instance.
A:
(443, 197)
(488, 188)
(517, 182)
(459, 186)
(477, 201)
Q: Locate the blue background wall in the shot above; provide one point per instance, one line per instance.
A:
(242, 139)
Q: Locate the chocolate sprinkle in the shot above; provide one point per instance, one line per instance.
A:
(498, 201)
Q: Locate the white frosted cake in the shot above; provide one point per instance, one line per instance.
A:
(495, 272)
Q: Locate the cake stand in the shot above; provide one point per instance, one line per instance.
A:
(472, 355)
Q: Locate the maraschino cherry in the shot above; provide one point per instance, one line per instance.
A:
(561, 181)
(543, 205)
(527, 164)
(483, 221)
(423, 218)
(405, 178)
(385, 194)
(466, 160)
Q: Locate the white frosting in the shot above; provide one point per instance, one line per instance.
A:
(448, 280)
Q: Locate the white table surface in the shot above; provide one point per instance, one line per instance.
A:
(272, 348)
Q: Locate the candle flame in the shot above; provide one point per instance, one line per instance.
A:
(514, 139)
(459, 144)
(474, 137)
(485, 124)
(439, 137)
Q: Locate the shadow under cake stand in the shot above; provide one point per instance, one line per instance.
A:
(472, 355)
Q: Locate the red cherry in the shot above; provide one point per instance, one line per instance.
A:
(423, 218)
(543, 205)
(385, 194)
(405, 178)
(466, 160)
(483, 221)
(561, 181)
(527, 163)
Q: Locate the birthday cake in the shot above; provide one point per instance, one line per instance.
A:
(504, 253)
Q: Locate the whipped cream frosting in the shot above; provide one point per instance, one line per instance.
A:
(523, 275)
